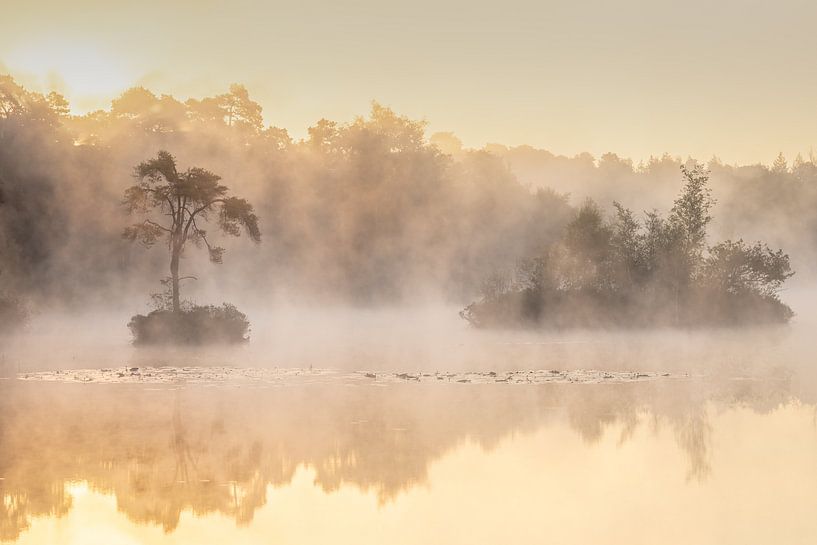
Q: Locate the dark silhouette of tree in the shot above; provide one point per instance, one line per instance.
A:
(188, 199)
(691, 209)
(587, 241)
(738, 268)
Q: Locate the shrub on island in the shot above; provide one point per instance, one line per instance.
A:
(175, 206)
(194, 325)
(621, 272)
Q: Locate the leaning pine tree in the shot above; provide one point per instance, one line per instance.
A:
(175, 206)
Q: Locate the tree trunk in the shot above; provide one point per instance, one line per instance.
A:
(174, 275)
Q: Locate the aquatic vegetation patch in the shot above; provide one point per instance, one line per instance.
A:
(283, 376)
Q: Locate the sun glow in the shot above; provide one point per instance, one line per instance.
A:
(86, 74)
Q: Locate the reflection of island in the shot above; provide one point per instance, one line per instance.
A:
(207, 450)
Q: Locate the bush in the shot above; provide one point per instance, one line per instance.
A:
(700, 307)
(13, 314)
(196, 325)
(626, 273)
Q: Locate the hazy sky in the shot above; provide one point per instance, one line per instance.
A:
(735, 78)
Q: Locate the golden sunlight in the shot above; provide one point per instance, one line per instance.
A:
(85, 73)
(437, 272)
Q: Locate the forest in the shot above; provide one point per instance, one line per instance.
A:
(373, 211)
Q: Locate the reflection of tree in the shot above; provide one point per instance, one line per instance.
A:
(19, 506)
(207, 450)
(621, 405)
(694, 434)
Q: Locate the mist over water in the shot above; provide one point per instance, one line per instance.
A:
(423, 339)
(362, 399)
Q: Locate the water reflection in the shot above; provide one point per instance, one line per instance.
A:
(205, 450)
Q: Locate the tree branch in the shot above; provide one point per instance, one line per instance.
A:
(197, 211)
(158, 226)
(200, 233)
(215, 252)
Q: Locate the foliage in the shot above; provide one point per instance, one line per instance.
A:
(367, 211)
(188, 199)
(194, 325)
(690, 212)
(622, 272)
(737, 268)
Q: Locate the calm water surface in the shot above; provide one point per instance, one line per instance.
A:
(699, 460)
(725, 456)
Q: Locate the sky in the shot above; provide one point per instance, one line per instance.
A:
(736, 79)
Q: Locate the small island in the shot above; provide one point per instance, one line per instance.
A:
(175, 206)
(624, 272)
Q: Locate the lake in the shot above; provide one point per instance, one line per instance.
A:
(720, 449)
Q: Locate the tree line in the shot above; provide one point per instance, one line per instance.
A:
(368, 211)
